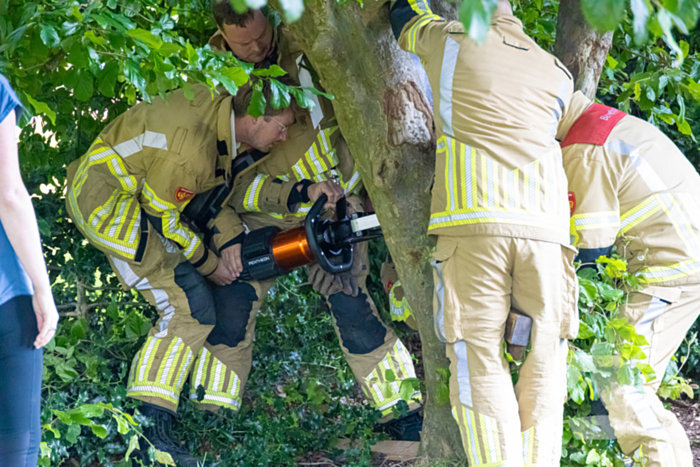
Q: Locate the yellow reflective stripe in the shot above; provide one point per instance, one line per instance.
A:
(172, 365)
(640, 213)
(154, 390)
(593, 220)
(352, 183)
(658, 274)
(252, 194)
(496, 194)
(516, 188)
(173, 229)
(528, 445)
(491, 215)
(185, 368)
(400, 311)
(466, 198)
(526, 187)
(506, 189)
(413, 31)
(484, 181)
(170, 354)
(474, 198)
(419, 6)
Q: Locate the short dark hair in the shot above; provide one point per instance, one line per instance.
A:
(225, 14)
(242, 99)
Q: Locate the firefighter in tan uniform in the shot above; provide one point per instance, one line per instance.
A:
(126, 196)
(274, 190)
(499, 209)
(631, 188)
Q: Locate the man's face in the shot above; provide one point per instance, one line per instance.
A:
(251, 43)
(268, 131)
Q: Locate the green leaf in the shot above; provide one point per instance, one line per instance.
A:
(99, 431)
(122, 424)
(72, 434)
(685, 47)
(302, 98)
(603, 15)
(625, 375)
(584, 331)
(75, 11)
(45, 449)
(273, 72)
(292, 9)
(97, 40)
(280, 94)
(79, 329)
(684, 126)
(164, 458)
(257, 101)
(92, 410)
(49, 35)
(84, 87)
(145, 37)
(169, 48)
(107, 78)
(55, 431)
(602, 348)
(611, 62)
(475, 15)
(133, 445)
(42, 108)
(593, 457)
(390, 376)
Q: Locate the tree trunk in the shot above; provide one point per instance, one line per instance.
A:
(580, 48)
(381, 105)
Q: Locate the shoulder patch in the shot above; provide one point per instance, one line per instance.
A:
(593, 126)
(183, 194)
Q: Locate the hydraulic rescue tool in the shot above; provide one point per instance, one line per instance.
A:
(270, 252)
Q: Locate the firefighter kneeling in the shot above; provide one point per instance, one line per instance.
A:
(126, 196)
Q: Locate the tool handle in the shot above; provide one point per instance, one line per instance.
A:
(314, 237)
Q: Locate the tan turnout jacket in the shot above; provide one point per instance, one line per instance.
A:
(630, 186)
(142, 171)
(496, 108)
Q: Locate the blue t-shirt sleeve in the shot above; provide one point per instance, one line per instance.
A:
(8, 100)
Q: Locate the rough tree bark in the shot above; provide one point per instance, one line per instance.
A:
(580, 47)
(384, 114)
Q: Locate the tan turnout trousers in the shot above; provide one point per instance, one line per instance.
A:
(642, 425)
(477, 281)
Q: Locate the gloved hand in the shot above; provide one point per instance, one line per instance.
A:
(327, 284)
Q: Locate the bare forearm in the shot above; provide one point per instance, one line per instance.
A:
(19, 222)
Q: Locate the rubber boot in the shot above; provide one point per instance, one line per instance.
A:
(406, 428)
(161, 437)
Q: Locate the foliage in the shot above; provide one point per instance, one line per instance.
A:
(608, 352)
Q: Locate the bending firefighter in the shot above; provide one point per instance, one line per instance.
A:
(126, 196)
(632, 189)
(499, 209)
(279, 189)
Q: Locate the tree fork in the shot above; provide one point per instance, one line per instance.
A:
(381, 106)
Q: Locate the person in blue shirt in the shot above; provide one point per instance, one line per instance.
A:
(28, 315)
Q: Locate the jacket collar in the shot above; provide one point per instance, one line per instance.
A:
(577, 106)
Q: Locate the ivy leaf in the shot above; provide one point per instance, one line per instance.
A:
(122, 426)
(292, 9)
(107, 78)
(475, 15)
(603, 15)
(84, 86)
(145, 37)
(42, 108)
(72, 433)
(49, 35)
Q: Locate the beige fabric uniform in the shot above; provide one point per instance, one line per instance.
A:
(630, 186)
(260, 194)
(315, 150)
(500, 212)
(126, 196)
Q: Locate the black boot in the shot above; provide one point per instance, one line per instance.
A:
(406, 428)
(160, 434)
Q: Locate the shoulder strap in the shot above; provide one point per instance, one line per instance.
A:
(593, 126)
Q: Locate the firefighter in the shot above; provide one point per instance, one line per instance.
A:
(126, 196)
(632, 189)
(273, 190)
(499, 210)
